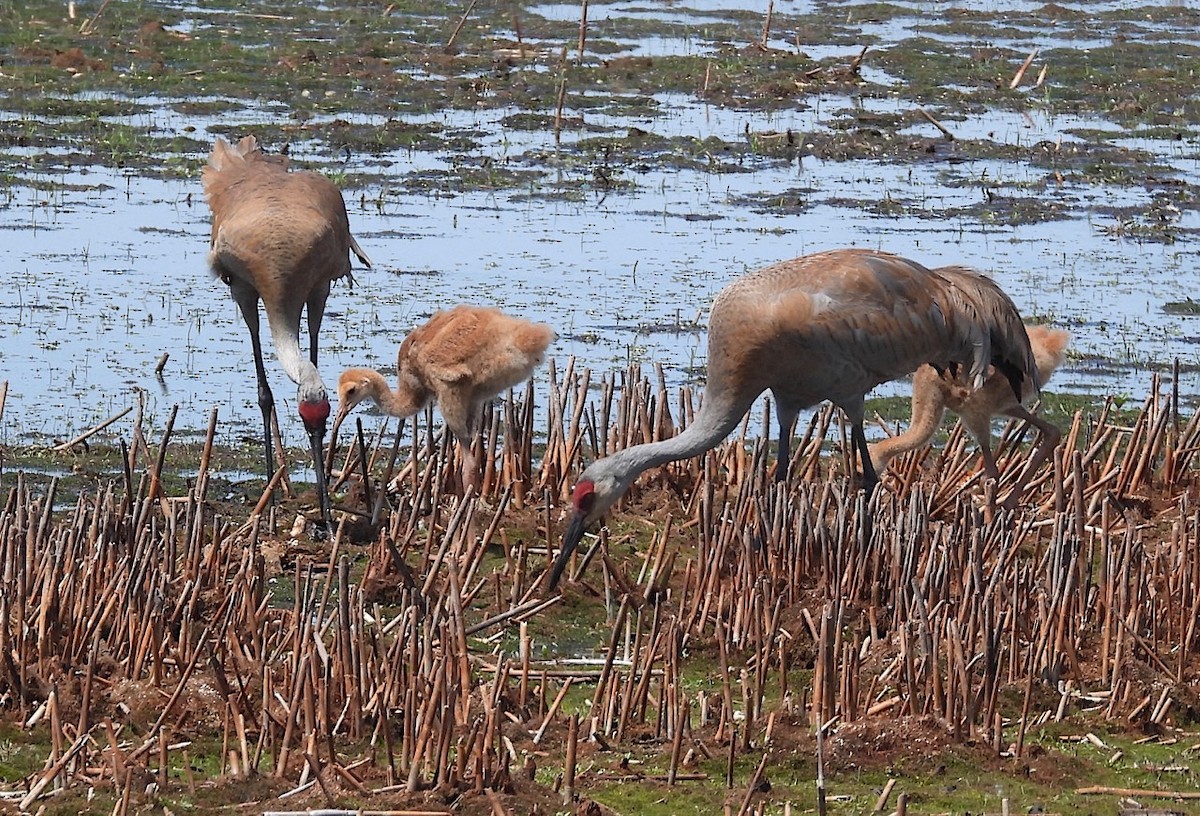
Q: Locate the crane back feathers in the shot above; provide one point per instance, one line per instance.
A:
(835, 324)
(268, 222)
(483, 348)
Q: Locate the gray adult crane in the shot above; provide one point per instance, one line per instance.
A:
(459, 359)
(282, 238)
(829, 326)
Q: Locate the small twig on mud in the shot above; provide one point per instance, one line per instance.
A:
(1020, 74)
(949, 136)
(1138, 792)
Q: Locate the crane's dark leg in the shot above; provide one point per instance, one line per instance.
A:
(247, 301)
(787, 423)
(855, 411)
(870, 478)
(316, 435)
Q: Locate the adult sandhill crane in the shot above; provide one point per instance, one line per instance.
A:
(459, 359)
(933, 392)
(281, 237)
(829, 326)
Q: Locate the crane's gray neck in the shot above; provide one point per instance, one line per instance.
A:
(713, 422)
(295, 362)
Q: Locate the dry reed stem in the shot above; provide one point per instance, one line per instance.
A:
(86, 434)
(933, 121)
(458, 27)
(1020, 74)
(975, 606)
(583, 27)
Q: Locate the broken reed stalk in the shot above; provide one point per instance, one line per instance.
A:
(1020, 74)
(756, 781)
(459, 26)
(766, 33)
(95, 429)
(583, 26)
(558, 109)
(280, 454)
(933, 121)
(568, 789)
(90, 26)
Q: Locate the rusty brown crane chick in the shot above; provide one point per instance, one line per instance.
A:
(282, 238)
(459, 359)
(934, 392)
(829, 326)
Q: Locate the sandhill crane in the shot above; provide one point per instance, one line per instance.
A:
(933, 392)
(829, 326)
(459, 359)
(281, 237)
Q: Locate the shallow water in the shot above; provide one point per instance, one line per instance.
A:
(107, 271)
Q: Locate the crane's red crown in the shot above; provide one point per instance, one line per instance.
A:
(584, 496)
(315, 413)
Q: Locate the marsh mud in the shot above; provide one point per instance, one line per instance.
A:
(609, 184)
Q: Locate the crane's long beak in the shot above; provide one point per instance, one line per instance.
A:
(316, 439)
(571, 540)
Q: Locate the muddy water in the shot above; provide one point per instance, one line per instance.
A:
(107, 270)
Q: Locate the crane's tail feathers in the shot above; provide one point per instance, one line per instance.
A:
(226, 155)
(358, 251)
(995, 330)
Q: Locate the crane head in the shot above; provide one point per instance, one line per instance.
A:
(314, 412)
(354, 386)
(597, 490)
